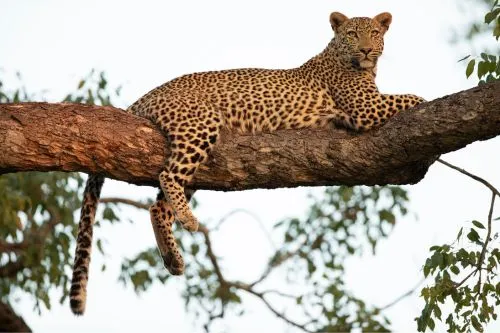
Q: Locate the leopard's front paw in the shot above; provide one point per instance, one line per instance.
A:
(188, 222)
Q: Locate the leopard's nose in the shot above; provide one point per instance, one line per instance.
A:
(366, 50)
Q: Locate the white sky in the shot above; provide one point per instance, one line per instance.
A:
(142, 44)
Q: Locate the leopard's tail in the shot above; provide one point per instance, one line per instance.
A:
(78, 292)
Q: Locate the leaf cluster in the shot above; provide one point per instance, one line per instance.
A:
(454, 268)
(487, 66)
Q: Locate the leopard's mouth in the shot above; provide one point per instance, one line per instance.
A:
(363, 63)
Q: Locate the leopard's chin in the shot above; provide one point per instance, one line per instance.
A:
(367, 64)
(363, 63)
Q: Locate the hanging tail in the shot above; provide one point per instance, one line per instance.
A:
(78, 292)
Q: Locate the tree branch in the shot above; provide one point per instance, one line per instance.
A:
(12, 247)
(125, 201)
(74, 137)
(10, 321)
(402, 296)
(467, 173)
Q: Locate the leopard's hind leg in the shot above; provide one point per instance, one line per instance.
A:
(192, 135)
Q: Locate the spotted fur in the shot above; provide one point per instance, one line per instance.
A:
(337, 85)
(78, 292)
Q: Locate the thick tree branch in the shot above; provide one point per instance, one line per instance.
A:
(10, 321)
(73, 137)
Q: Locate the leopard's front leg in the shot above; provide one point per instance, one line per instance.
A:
(382, 107)
(192, 133)
(162, 219)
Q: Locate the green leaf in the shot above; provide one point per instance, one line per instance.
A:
(437, 311)
(99, 246)
(488, 287)
(455, 270)
(45, 299)
(478, 224)
(431, 324)
(194, 249)
(427, 270)
(490, 16)
(473, 235)
(109, 214)
(470, 68)
(437, 259)
(476, 324)
(482, 69)
(460, 234)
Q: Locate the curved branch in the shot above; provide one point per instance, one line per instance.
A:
(12, 247)
(74, 137)
(467, 173)
(402, 296)
(273, 309)
(130, 202)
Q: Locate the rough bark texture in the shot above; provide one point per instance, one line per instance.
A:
(73, 137)
(10, 321)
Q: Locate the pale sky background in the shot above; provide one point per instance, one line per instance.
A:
(142, 44)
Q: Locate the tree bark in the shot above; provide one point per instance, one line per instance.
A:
(10, 321)
(74, 137)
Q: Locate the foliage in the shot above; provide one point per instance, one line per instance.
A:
(472, 301)
(18, 95)
(475, 28)
(36, 252)
(341, 222)
(487, 65)
(454, 268)
(37, 229)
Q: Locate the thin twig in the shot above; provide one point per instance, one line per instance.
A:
(129, 202)
(403, 296)
(488, 235)
(277, 292)
(495, 192)
(466, 278)
(273, 264)
(276, 312)
(252, 215)
(211, 255)
(487, 240)
(242, 286)
(12, 247)
(477, 178)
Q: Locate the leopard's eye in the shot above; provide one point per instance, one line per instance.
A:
(352, 33)
(375, 33)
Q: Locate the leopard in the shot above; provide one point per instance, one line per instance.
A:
(337, 86)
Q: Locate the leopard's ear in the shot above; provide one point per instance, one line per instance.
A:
(384, 19)
(337, 19)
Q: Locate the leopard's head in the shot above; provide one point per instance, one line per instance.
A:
(360, 40)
